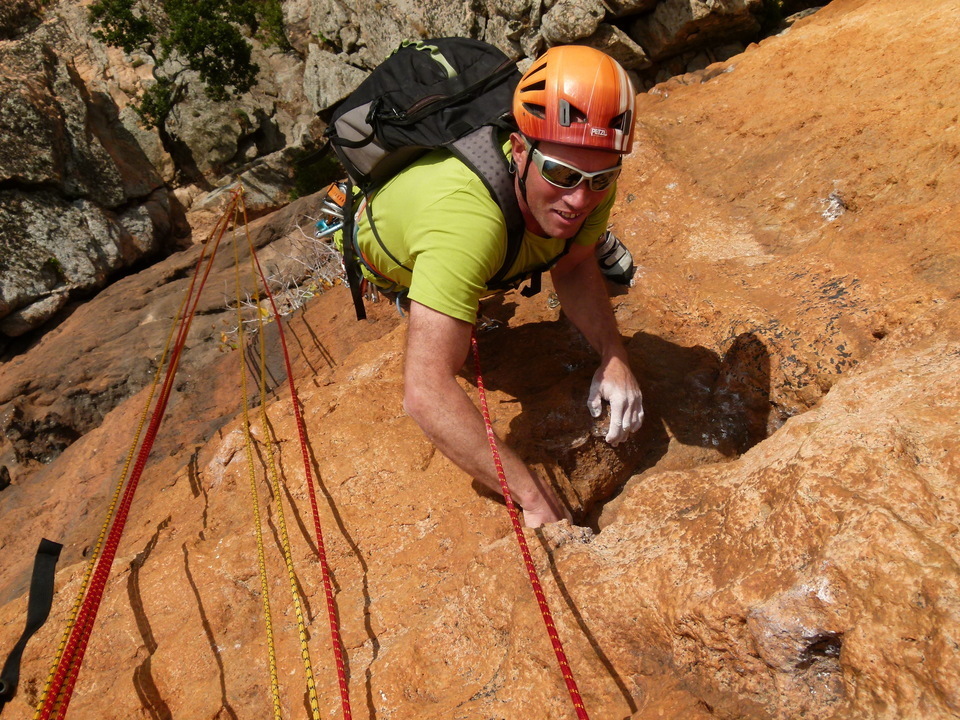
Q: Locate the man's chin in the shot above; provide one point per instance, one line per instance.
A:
(563, 229)
(554, 225)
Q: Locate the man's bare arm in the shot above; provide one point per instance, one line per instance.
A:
(437, 346)
(583, 295)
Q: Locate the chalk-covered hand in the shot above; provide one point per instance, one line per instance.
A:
(615, 383)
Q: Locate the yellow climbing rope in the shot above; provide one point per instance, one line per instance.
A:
(254, 501)
(274, 475)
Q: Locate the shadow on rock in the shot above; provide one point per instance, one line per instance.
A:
(700, 407)
(702, 399)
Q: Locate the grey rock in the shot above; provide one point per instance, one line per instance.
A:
(148, 142)
(698, 62)
(283, 102)
(26, 319)
(790, 20)
(624, 8)
(90, 170)
(17, 16)
(532, 45)
(618, 45)
(570, 20)
(135, 172)
(50, 246)
(32, 132)
(349, 37)
(678, 25)
(512, 9)
(147, 224)
(333, 22)
(49, 135)
(726, 51)
(215, 131)
(266, 184)
(327, 80)
(297, 16)
(80, 199)
(504, 34)
(385, 26)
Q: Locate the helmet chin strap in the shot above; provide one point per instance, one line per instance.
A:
(522, 180)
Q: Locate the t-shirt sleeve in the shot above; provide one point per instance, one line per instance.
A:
(456, 246)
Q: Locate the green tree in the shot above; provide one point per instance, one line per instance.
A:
(178, 35)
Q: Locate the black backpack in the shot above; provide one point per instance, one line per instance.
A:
(453, 93)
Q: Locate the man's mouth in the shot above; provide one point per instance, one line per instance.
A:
(568, 215)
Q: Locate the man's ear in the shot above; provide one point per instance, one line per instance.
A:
(518, 149)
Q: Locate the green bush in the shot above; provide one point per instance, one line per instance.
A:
(205, 36)
(313, 171)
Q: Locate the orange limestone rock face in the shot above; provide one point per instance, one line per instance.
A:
(780, 541)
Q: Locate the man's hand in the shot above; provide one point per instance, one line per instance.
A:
(583, 295)
(614, 382)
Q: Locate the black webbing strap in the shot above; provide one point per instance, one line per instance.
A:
(350, 261)
(376, 235)
(38, 608)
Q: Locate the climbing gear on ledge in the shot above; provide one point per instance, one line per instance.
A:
(331, 210)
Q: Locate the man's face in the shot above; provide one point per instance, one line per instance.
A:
(553, 211)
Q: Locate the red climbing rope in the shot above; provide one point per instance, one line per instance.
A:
(64, 674)
(335, 639)
(64, 679)
(524, 550)
(67, 666)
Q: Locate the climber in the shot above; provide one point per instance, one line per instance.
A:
(441, 238)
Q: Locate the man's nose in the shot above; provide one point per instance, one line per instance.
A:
(581, 196)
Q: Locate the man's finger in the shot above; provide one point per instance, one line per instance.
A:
(616, 433)
(626, 422)
(593, 399)
(634, 418)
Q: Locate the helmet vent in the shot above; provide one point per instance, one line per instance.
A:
(537, 67)
(621, 121)
(570, 114)
(533, 87)
(538, 111)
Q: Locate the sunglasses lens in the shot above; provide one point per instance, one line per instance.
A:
(559, 174)
(602, 181)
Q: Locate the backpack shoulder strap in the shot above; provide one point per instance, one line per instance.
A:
(483, 153)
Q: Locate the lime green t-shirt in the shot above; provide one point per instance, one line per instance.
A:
(438, 219)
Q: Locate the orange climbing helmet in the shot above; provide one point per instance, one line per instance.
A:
(576, 95)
